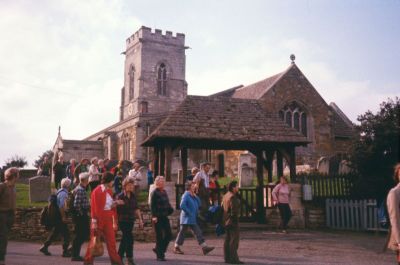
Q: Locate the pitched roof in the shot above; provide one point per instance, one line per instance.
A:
(224, 119)
(257, 90)
(342, 126)
(226, 93)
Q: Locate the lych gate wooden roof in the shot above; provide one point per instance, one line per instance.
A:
(223, 122)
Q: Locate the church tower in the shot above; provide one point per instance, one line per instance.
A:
(154, 76)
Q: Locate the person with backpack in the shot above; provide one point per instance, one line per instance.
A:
(8, 196)
(80, 216)
(190, 205)
(60, 223)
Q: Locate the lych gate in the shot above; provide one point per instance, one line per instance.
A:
(226, 124)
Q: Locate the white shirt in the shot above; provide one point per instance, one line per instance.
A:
(136, 175)
(203, 175)
(109, 199)
(93, 172)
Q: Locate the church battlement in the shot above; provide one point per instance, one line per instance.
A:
(146, 33)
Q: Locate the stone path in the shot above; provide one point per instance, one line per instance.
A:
(256, 247)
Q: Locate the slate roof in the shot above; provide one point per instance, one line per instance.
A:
(342, 126)
(257, 90)
(224, 119)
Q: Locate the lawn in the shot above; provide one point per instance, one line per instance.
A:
(23, 197)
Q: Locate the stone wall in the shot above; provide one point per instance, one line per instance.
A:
(27, 226)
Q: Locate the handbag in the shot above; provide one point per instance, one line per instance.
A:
(98, 249)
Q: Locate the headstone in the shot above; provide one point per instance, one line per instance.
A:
(244, 160)
(344, 167)
(323, 165)
(39, 188)
(246, 176)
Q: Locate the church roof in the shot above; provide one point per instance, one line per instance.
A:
(258, 89)
(224, 119)
(342, 126)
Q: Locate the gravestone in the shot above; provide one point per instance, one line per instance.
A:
(39, 188)
(246, 175)
(344, 167)
(323, 165)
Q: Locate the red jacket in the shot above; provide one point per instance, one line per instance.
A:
(98, 201)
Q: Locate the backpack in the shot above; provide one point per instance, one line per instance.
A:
(69, 202)
(50, 214)
(215, 214)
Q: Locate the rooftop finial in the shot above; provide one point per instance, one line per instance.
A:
(59, 130)
(292, 58)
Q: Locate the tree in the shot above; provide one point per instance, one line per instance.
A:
(376, 150)
(14, 161)
(39, 161)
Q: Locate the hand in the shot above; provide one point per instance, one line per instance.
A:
(94, 226)
(154, 219)
(141, 225)
(115, 227)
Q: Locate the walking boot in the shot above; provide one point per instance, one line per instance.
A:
(45, 250)
(207, 249)
(129, 261)
(66, 254)
(177, 250)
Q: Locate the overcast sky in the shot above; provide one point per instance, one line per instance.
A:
(60, 61)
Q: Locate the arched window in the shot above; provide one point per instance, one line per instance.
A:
(162, 80)
(126, 147)
(294, 116)
(304, 124)
(144, 107)
(131, 83)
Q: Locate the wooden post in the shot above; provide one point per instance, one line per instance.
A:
(279, 162)
(270, 159)
(184, 156)
(260, 189)
(168, 161)
(162, 161)
(156, 165)
(292, 163)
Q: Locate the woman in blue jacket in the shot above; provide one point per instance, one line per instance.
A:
(190, 205)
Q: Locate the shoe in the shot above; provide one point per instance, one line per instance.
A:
(177, 250)
(155, 251)
(161, 259)
(66, 254)
(45, 251)
(130, 261)
(284, 231)
(79, 258)
(207, 249)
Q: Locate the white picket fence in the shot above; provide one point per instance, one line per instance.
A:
(352, 215)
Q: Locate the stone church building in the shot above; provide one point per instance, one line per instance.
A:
(155, 85)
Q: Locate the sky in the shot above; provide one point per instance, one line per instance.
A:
(60, 61)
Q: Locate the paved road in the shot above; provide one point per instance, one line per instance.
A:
(295, 248)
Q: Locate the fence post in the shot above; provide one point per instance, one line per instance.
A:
(328, 212)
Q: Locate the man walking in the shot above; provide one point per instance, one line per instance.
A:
(231, 206)
(190, 205)
(60, 226)
(7, 208)
(59, 170)
(80, 216)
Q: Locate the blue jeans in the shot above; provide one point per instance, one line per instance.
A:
(195, 231)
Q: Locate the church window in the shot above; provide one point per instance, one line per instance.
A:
(296, 121)
(131, 83)
(144, 107)
(162, 80)
(304, 124)
(126, 147)
(294, 116)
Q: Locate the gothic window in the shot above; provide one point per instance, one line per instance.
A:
(131, 83)
(304, 124)
(294, 116)
(162, 79)
(126, 147)
(144, 107)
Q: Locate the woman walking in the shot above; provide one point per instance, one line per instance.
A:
(393, 205)
(104, 221)
(190, 205)
(281, 197)
(160, 210)
(126, 218)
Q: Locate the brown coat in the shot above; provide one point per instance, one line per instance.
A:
(231, 206)
(393, 205)
(7, 197)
